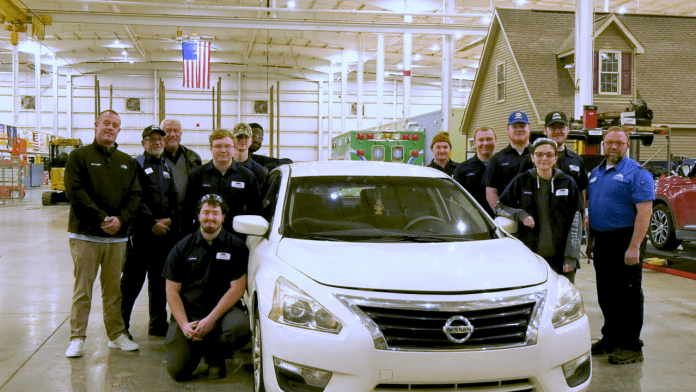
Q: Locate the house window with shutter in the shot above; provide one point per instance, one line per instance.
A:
(610, 75)
(500, 82)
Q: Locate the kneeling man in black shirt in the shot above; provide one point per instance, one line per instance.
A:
(206, 278)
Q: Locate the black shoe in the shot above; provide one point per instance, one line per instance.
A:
(600, 347)
(128, 335)
(157, 331)
(625, 357)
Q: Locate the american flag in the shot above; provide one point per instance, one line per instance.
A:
(196, 64)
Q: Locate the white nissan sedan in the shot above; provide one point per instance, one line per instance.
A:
(367, 276)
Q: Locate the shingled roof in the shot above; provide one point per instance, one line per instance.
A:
(664, 73)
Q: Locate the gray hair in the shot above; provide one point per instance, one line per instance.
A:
(170, 119)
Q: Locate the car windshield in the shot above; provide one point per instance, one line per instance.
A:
(382, 209)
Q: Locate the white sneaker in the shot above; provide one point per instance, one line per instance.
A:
(75, 348)
(124, 343)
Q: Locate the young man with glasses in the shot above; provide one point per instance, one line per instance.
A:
(621, 194)
(206, 278)
(154, 233)
(236, 184)
(549, 205)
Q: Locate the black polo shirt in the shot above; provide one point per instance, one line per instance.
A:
(470, 175)
(238, 187)
(569, 163)
(448, 169)
(503, 167)
(206, 271)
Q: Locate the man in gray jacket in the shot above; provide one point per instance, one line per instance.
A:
(102, 185)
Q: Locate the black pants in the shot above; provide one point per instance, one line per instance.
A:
(146, 257)
(619, 289)
(230, 333)
(556, 264)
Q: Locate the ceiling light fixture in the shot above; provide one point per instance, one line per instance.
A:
(417, 57)
(622, 9)
(458, 36)
(291, 4)
(521, 2)
(435, 47)
(124, 53)
(486, 19)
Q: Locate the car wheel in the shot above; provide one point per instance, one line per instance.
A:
(661, 231)
(257, 355)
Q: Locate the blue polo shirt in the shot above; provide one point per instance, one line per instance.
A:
(614, 193)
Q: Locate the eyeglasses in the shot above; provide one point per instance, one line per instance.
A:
(210, 196)
(540, 155)
(617, 144)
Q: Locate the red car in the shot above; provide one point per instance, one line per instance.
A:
(674, 211)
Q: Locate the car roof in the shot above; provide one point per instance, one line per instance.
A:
(362, 168)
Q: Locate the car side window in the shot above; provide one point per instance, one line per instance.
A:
(271, 199)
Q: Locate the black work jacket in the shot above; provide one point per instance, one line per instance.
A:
(503, 167)
(448, 169)
(238, 187)
(564, 201)
(269, 162)
(193, 160)
(159, 197)
(101, 183)
(470, 175)
(569, 163)
(259, 171)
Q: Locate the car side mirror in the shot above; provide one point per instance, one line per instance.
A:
(507, 224)
(684, 170)
(250, 224)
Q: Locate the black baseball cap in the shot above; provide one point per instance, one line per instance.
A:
(151, 129)
(555, 117)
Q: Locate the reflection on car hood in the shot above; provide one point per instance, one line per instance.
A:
(444, 267)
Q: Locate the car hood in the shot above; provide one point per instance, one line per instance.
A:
(436, 267)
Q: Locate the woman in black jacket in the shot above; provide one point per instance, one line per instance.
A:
(549, 205)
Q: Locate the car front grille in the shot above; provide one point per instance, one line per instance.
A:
(519, 385)
(420, 326)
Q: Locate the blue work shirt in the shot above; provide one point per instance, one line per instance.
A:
(614, 193)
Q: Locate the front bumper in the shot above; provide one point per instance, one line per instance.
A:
(356, 365)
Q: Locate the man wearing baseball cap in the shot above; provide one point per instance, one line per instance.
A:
(154, 232)
(243, 137)
(570, 163)
(505, 165)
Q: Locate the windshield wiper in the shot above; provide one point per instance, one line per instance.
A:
(413, 238)
(317, 237)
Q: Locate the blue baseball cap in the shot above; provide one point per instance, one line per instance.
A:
(518, 117)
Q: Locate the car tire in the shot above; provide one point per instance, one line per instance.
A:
(662, 235)
(257, 355)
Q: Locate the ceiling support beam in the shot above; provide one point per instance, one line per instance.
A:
(131, 36)
(60, 16)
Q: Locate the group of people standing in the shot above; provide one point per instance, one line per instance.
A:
(544, 187)
(167, 216)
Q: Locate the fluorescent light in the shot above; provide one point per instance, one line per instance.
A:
(400, 66)
(458, 36)
(486, 19)
(124, 53)
(291, 4)
(417, 57)
(435, 47)
(408, 18)
(521, 2)
(622, 9)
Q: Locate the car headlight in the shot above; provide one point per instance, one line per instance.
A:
(569, 306)
(293, 306)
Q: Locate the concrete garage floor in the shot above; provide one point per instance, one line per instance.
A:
(36, 288)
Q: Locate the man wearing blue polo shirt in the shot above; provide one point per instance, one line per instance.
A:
(621, 194)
